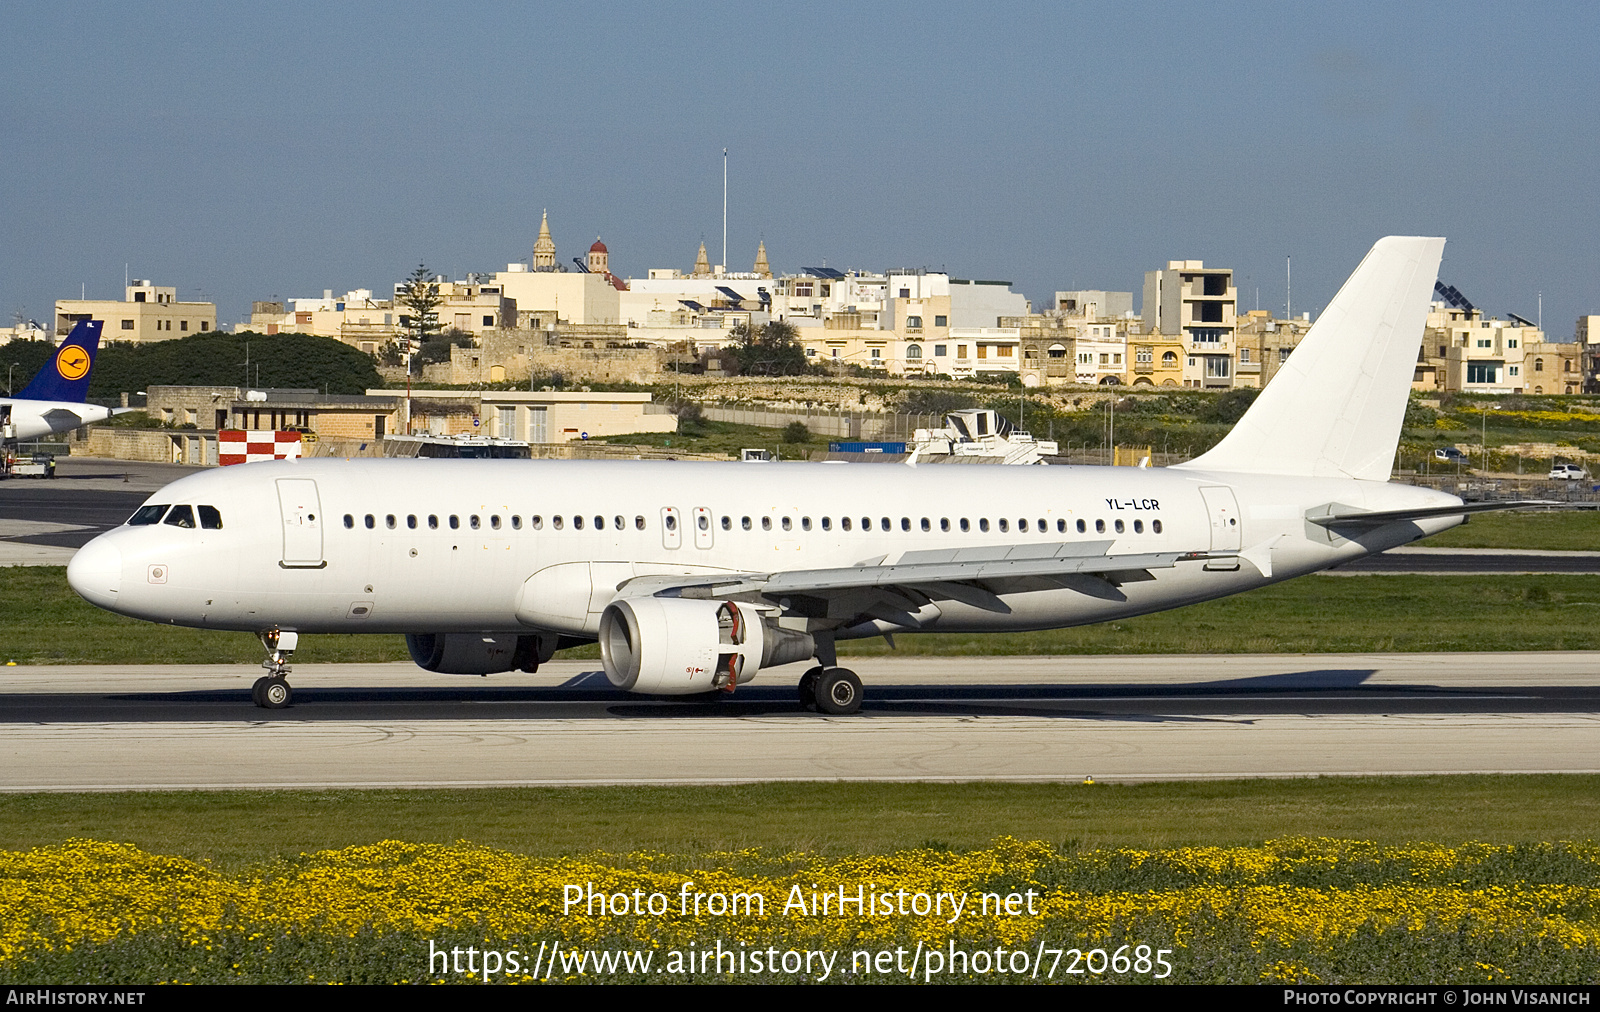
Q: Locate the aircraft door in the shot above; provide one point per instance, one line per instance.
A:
(302, 523)
(671, 527)
(1223, 511)
(702, 527)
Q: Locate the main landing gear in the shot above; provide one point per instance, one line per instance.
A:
(271, 690)
(835, 691)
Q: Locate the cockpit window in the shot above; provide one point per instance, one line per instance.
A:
(181, 516)
(210, 519)
(147, 515)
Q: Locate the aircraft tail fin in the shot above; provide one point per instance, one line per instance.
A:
(66, 376)
(1335, 407)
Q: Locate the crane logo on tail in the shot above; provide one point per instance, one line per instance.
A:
(72, 362)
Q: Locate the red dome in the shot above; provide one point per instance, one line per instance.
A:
(598, 247)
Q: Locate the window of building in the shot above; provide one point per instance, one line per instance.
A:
(913, 352)
(1207, 335)
(877, 353)
(1512, 370)
(940, 350)
(1143, 356)
(1169, 359)
(1218, 367)
(1005, 351)
(183, 324)
(127, 324)
(961, 351)
(913, 323)
(1283, 355)
(1244, 356)
(905, 293)
(941, 321)
(1483, 372)
(488, 321)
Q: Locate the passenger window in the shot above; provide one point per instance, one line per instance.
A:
(577, 522)
(516, 522)
(1022, 525)
(556, 521)
(827, 523)
(905, 523)
(766, 523)
(744, 522)
(965, 527)
(210, 519)
(599, 523)
(671, 521)
(638, 522)
(983, 524)
(1155, 526)
(1044, 528)
(494, 521)
(1061, 526)
(926, 526)
(703, 522)
(844, 523)
(455, 522)
(620, 524)
(1099, 526)
(788, 524)
(181, 516)
(866, 523)
(805, 523)
(474, 522)
(885, 524)
(349, 521)
(370, 522)
(1004, 527)
(411, 521)
(537, 521)
(433, 521)
(1138, 527)
(144, 516)
(1119, 527)
(1081, 528)
(944, 524)
(727, 523)
(389, 521)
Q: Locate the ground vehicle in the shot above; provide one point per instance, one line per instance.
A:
(1450, 454)
(38, 465)
(1567, 472)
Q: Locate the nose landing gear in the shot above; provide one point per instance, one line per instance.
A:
(271, 691)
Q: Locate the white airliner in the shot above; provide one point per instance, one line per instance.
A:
(695, 576)
(54, 400)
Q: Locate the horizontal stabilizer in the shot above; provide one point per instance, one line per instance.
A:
(1382, 517)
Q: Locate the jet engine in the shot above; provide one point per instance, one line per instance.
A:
(674, 646)
(479, 653)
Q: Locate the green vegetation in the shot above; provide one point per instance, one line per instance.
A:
(43, 622)
(235, 828)
(276, 360)
(1562, 531)
(697, 434)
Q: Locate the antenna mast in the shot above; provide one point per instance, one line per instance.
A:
(724, 210)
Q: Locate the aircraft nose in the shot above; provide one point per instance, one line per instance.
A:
(95, 572)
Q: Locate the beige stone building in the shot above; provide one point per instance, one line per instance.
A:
(541, 416)
(1198, 304)
(1263, 346)
(150, 312)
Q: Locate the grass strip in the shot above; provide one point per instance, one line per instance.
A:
(236, 828)
(43, 622)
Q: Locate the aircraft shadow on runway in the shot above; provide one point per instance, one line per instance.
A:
(1332, 691)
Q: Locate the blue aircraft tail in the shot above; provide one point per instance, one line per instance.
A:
(66, 376)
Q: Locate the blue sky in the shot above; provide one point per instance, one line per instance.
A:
(276, 150)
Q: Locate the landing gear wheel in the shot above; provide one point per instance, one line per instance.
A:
(808, 688)
(276, 694)
(256, 690)
(838, 691)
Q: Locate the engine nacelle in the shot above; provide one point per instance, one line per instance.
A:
(479, 653)
(674, 646)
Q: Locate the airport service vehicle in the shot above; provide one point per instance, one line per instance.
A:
(698, 577)
(1568, 472)
(54, 400)
(1450, 454)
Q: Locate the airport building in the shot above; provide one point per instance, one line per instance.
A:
(149, 312)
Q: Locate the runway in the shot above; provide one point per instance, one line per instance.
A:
(939, 719)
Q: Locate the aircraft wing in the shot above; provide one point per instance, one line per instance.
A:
(964, 575)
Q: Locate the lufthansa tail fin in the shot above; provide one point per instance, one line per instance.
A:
(66, 376)
(1335, 407)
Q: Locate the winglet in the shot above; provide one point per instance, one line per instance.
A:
(66, 376)
(1335, 407)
